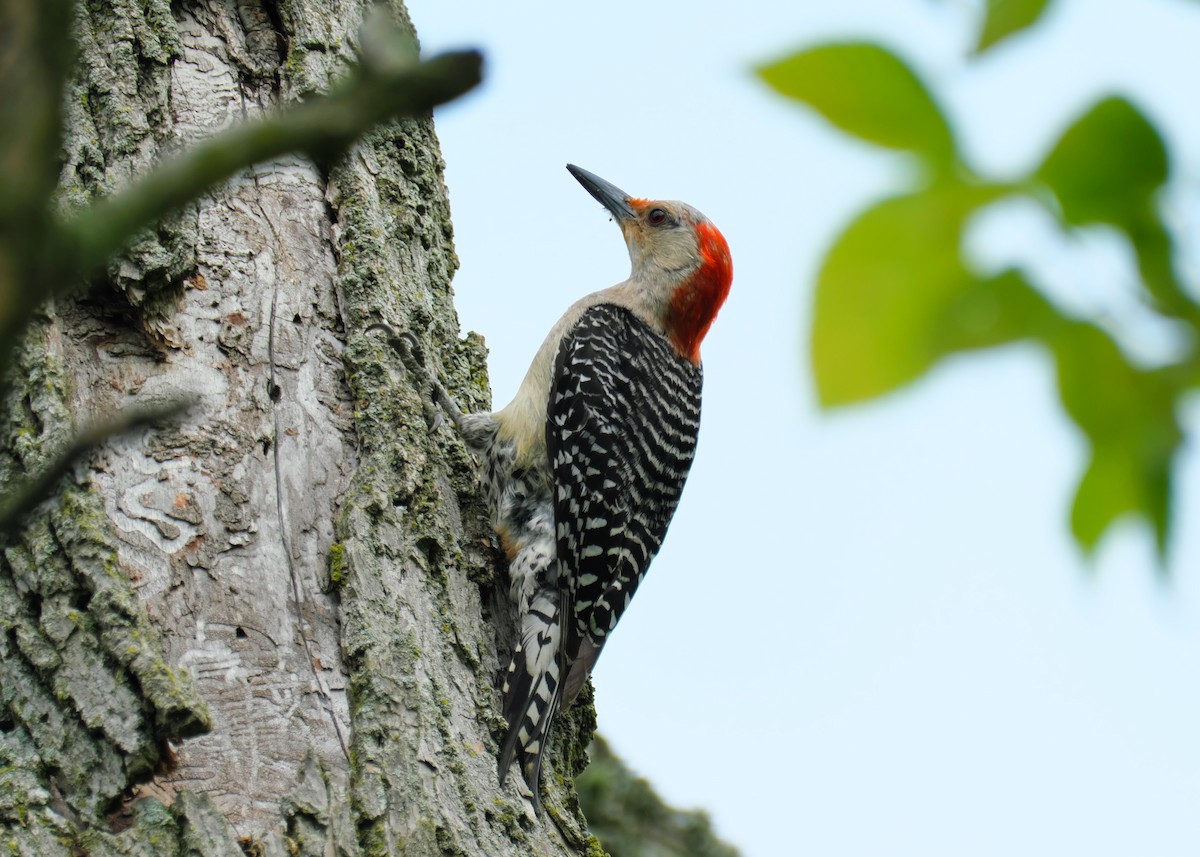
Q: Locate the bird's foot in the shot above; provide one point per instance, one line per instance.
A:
(412, 355)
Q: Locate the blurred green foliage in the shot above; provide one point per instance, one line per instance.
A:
(868, 92)
(1005, 18)
(895, 294)
(630, 820)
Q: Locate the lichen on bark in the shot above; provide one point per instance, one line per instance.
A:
(302, 563)
(89, 701)
(120, 120)
(426, 620)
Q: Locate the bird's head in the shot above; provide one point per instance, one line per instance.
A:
(682, 269)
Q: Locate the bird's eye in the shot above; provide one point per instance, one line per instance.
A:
(656, 217)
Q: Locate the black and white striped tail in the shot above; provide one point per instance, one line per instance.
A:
(533, 688)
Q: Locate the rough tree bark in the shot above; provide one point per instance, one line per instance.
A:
(277, 624)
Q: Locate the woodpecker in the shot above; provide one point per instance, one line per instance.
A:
(582, 471)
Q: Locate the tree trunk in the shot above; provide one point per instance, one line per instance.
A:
(279, 622)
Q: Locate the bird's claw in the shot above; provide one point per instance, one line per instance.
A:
(404, 343)
(412, 356)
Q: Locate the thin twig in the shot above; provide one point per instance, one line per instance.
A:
(25, 496)
(321, 128)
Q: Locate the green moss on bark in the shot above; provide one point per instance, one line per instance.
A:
(119, 119)
(87, 702)
(87, 699)
(337, 565)
(414, 529)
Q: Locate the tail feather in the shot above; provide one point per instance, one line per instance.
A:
(533, 688)
(581, 668)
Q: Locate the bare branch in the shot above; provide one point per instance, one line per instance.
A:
(22, 498)
(321, 128)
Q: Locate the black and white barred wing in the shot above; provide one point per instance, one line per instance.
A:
(621, 427)
(621, 430)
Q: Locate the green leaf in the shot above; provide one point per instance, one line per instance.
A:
(1114, 486)
(997, 311)
(867, 91)
(886, 289)
(1007, 18)
(1108, 169)
(1128, 416)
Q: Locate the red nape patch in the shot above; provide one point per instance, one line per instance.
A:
(696, 301)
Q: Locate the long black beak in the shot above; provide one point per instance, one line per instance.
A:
(608, 194)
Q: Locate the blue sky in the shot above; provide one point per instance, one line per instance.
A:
(867, 632)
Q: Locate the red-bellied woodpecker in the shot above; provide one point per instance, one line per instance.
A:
(583, 469)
